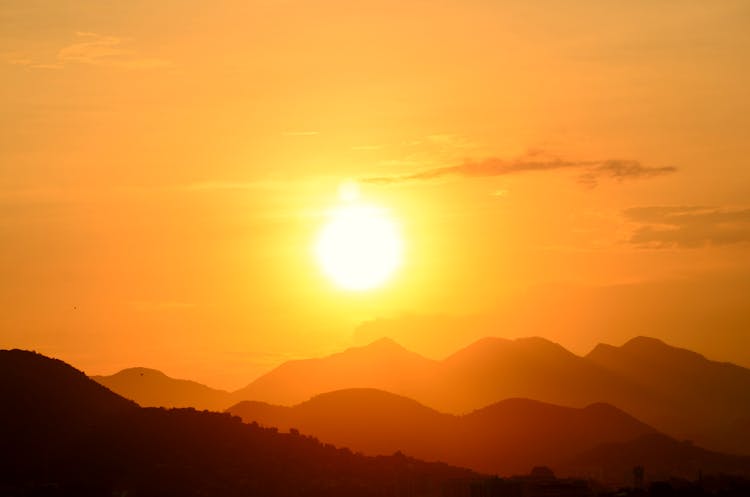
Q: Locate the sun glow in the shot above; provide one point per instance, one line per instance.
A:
(359, 248)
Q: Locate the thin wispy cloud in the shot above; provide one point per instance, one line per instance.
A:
(688, 226)
(92, 49)
(590, 172)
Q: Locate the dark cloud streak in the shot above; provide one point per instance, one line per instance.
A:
(590, 171)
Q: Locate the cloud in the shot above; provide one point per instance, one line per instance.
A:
(688, 226)
(590, 171)
(93, 49)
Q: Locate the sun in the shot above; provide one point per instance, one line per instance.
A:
(360, 247)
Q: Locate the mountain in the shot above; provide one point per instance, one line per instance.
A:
(368, 420)
(68, 435)
(676, 391)
(152, 388)
(44, 398)
(484, 372)
(507, 437)
(494, 368)
(383, 364)
(700, 399)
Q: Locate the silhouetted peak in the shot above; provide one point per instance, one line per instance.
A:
(361, 397)
(518, 404)
(641, 342)
(642, 345)
(384, 343)
(251, 404)
(372, 401)
(486, 345)
(524, 405)
(32, 365)
(604, 410)
(51, 386)
(490, 346)
(541, 343)
(382, 347)
(601, 349)
(28, 355)
(138, 372)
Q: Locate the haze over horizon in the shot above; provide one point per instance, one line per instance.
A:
(571, 170)
(391, 343)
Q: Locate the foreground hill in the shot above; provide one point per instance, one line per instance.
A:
(69, 435)
(505, 438)
(152, 388)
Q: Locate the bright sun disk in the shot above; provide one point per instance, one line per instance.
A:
(359, 248)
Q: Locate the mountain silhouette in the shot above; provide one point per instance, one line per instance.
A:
(507, 437)
(489, 370)
(64, 434)
(49, 398)
(494, 368)
(152, 388)
(700, 399)
(676, 391)
(383, 364)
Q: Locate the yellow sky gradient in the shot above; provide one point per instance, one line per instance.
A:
(571, 169)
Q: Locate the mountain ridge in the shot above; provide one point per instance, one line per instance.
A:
(153, 388)
(504, 438)
(69, 435)
(646, 377)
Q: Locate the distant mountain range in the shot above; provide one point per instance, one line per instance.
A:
(678, 392)
(69, 435)
(508, 437)
(598, 441)
(383, 365)
(705, 401)
(63, 434)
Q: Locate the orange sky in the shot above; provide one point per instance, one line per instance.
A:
(571, 169)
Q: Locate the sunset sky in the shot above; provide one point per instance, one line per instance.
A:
(576, 170)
